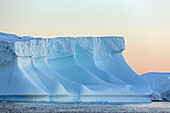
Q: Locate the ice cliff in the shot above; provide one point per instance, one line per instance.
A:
(69, 69)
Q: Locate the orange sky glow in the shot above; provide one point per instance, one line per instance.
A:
(144, 24)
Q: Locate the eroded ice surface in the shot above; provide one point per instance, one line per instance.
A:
(68, 69)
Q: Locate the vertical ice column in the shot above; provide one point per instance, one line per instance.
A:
(108, 57)
(85, 57)
(59, 50)
(63, 61)
(38, 62)
(15, 78)
(21, 80)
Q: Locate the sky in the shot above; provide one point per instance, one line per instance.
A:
(145, 24)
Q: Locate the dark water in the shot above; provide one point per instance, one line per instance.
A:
(155, 107)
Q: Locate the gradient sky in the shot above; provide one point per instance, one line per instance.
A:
(145, 24)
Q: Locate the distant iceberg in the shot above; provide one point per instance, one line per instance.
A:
(160, 84)
(68, 69)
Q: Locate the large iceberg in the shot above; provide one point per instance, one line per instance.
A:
(68, 69)
(160, 84)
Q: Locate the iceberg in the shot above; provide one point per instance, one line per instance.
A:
(160, 84)
(68, 69)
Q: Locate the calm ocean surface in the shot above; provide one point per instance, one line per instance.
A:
(155, 107)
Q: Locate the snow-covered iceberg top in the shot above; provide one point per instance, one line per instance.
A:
(12, 46)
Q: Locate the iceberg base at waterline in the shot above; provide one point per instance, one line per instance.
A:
(160, 85)
(68, 69)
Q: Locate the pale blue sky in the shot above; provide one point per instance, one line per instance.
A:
(145, 24)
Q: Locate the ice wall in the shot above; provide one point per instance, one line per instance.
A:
(68, 69)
